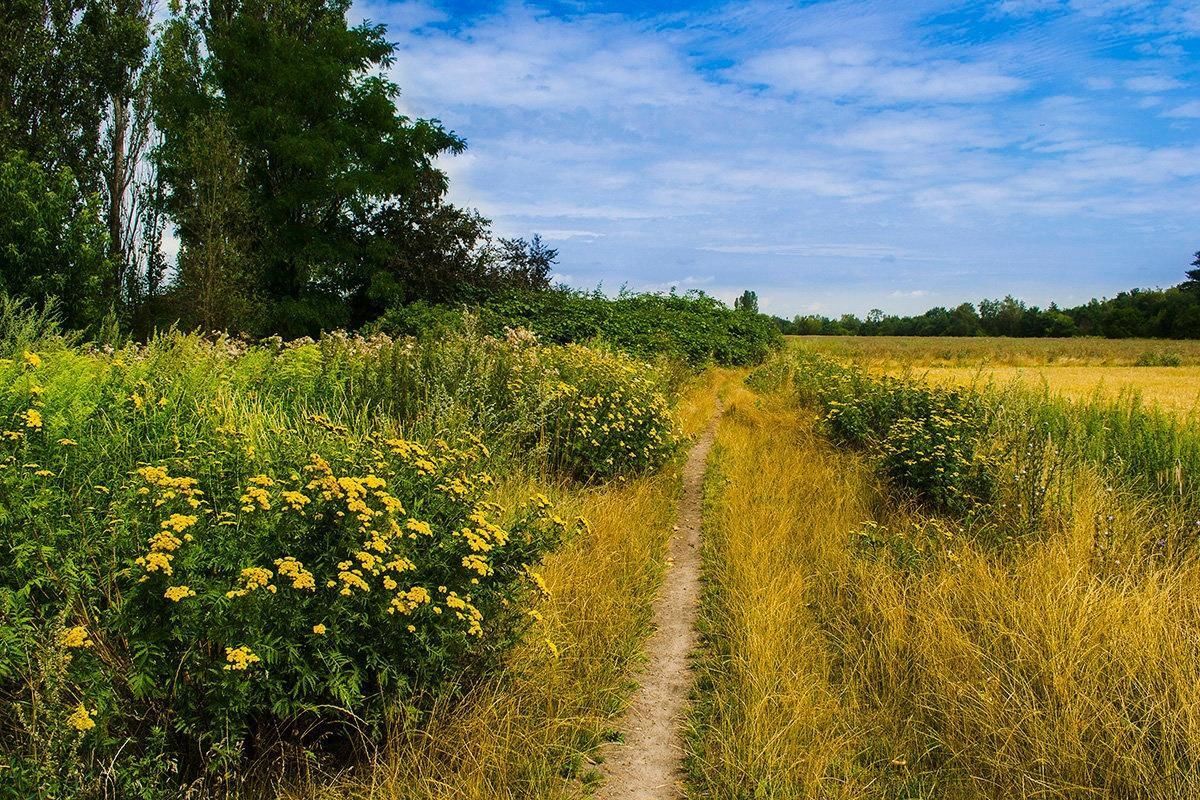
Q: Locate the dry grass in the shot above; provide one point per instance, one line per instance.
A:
(897, 352)
(1175, 389)
(1066, 665)
(1077, 369)
(529, 732)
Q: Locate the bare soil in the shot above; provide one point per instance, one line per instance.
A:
(648, 765)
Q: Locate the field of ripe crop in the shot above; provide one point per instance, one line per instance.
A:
(1164, 374)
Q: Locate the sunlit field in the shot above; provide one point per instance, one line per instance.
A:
(1164, 374)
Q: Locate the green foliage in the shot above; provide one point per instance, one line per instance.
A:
(1159, 358)
(53, 242)
(208, 546)
(1140, 313)
(928, 441)
(321, 142)
(693, 328)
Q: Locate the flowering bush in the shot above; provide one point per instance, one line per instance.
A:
(209, 545)
(928, 440)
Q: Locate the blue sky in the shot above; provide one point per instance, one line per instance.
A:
(833, 156)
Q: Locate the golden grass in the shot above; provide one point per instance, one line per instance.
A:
(770, 721)
(529, 731)
(1076, 369)
(1175, 389)
(897, 352)
(1063, 666)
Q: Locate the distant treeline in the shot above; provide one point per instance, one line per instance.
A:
(1140, 313)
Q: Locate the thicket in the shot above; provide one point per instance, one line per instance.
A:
(928, 440)
(693, 327)
(210, 548)
(953, 448)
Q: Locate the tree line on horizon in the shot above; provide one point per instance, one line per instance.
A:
(1172, 313)
(263, 135)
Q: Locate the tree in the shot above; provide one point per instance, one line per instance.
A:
(214, 275)
(748, 302)
(53, 243)
(1193, 275)
(323, 146)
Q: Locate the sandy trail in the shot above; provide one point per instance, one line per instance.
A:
(649, 764)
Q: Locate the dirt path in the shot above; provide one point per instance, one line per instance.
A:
(648, 765)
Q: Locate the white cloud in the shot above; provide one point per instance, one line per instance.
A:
(1186, 111)
(1152, 83)
(853, 71)
(766, 145)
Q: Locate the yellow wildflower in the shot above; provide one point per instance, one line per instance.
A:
(32, 360)
(240, 658)
(179, 522)
(319, 629)
(75, 637)
(32, 419)
(296, 501)
(81, 719)
(177, 593)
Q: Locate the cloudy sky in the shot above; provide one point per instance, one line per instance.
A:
(834, 156)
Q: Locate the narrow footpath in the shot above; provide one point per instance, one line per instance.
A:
(648, 765)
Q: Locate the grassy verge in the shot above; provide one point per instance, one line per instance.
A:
(856, 648)
(532, 730)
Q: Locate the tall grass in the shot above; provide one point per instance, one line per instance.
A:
(532, 730)
(1044, 648)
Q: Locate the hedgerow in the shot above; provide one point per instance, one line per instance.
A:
(208, 546)
(692, 327)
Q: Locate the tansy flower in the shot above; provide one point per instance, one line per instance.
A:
(68, 442)
(177, 593)
(75, 638)
(81, 719)
(240, 658)
(32, 419)
(179, 522)
(319, 629)
(33, 361)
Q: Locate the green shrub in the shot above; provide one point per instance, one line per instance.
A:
(206, 546)
(928, 440)
(693, 328)
(1159, 358)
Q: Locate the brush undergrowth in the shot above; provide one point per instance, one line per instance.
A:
(213, 550)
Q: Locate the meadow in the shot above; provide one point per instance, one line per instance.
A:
(920, 591)
(428, 567)
(1164, 374)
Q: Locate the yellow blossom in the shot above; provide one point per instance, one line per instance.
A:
(76, 637)
(319, 629)
(81, 719)
(177, 593)
(32, 360)
(240, 658)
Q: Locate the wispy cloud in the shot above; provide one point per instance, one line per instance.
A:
(834, 153)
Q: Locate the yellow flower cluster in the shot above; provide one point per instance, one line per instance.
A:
(177, 593)
(31, 418)
(81, 719)
(301, 578)
(253, 578)
(76, 637)
(239, 659)
(164, 543)
(169, 488)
